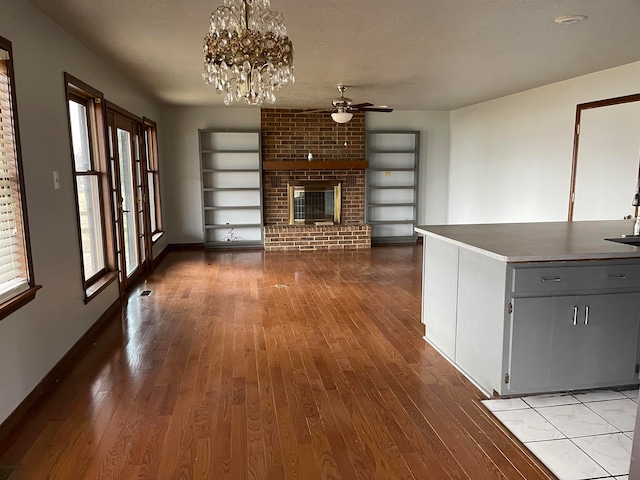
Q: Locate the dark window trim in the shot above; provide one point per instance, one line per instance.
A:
(157, 236)
(18, 301)
(125, 113)
(81, 92)
(159, 232)
(25, 297)
(99, 285)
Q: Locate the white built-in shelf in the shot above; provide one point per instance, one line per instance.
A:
(391, 192)
(231, 172)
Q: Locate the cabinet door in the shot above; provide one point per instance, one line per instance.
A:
(609, 338)
(549, 350)
(544, 352)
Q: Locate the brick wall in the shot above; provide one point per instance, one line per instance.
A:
(289, 137)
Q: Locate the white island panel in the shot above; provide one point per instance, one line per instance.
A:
(440, 288)
(481, 318)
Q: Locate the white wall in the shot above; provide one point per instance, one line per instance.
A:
(34, 338)
(511, 157)
(182, 194)
(434, 157)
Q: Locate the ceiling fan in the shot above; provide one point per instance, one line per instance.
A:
(343, 107)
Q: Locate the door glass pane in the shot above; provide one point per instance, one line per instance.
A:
(152, 201)
(137, 149)
(90, 227)
(128, 201)
(147, 144)
(110, 136)
(141, 222)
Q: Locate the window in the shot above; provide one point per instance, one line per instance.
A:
(86, 127)
(17, 285)
(153, 179)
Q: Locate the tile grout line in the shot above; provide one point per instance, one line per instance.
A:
(579, 401)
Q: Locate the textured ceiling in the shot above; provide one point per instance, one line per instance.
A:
(408, 54)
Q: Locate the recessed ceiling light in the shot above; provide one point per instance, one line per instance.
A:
(570, 19)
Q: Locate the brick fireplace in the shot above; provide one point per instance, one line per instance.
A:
(338, 155)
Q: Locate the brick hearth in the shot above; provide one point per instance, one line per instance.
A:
(310, 237)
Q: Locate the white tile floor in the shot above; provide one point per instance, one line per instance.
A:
(577, 436)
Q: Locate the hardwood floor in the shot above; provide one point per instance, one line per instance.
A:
(248, 365)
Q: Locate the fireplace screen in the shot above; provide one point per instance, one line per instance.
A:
(315, 203)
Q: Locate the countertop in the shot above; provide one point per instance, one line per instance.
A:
(539, 242)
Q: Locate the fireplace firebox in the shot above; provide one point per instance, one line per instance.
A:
(314, 203)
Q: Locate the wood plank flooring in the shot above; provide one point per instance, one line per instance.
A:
(254, 365)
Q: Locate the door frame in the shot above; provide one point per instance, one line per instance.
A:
(118, 117)
(576, 139)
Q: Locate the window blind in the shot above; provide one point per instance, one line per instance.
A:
(13, 267)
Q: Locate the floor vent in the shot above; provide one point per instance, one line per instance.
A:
(8, 472)
(146, 293)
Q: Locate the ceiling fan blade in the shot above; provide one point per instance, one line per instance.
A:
(360, 105)
(321, 110)
(376, 109)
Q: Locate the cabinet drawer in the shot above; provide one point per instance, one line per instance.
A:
(532, 280)
(611, 276)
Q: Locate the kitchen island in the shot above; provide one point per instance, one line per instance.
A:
(534, 307)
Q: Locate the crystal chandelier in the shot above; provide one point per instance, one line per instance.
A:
(247, 53)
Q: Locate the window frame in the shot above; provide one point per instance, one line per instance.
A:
(152, 166)
(21, 298)
(82, 93)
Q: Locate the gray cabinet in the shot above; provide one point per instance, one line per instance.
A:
(392, 185)
(231, 169)
(573, 342)
(509, 327)
(573, 326)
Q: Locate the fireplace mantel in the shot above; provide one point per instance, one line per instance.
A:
(316, 165)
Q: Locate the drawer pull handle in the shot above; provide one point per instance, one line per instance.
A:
(614, 277)
(586, 315)
(575, 315)
(551, 279)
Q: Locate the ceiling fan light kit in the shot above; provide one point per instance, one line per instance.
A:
(342, 107)
(247, 54)
(341, 117)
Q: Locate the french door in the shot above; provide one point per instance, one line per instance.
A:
(127, 191)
